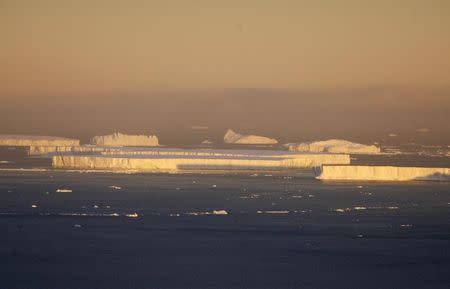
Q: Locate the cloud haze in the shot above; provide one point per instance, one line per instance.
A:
(289, 69)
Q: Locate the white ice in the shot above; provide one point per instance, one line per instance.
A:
(382, 173)
(333, 146)
(233, 137)
(173, 160)
(34, 140)
(119, 139)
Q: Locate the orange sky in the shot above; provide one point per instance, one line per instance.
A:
(92, 50)
(90, 46)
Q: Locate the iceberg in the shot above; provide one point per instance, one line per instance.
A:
(382, 173)
(333, 146)
(34, 140)
(174, 160)
(35, 150)
(119, 139)
(49, 150)
(233, 137)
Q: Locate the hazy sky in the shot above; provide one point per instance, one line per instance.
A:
(85, 59)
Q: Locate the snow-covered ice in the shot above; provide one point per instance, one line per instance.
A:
(382, 173)
(119, 139)
(333, 146)
(233, 137)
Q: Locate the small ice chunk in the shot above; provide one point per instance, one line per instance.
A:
(34, 206)
(359, 208)
(220, 212)
(63, 190)
(115, 187)
(133, 215)
(273, 212)
(77, 226)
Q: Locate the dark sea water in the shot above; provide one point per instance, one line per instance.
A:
(284, 230)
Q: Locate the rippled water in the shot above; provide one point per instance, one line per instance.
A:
(159, 231)
(63, 229)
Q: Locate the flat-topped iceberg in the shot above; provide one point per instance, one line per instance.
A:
(35, 140)
(173, 160)
(382, 173)
(233, 137)
(49, 150)
(333, 146)
(119, 139)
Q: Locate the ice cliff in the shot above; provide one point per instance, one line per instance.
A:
(33, 140)
(382, 173)
(333, 146)
(119, 139)
(233, 137)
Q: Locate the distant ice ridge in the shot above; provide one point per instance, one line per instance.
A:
(119, 139)
(382, 173)
(34, 140)
(333, 146)
(233, 137)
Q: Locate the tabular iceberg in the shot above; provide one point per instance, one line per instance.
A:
(45, 150)
(34, 140)
(233, 137)
(382, 173)
(91, 149)
(119, 139)
(333, 146)
(173, 160)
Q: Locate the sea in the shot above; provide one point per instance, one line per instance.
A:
(284, 229)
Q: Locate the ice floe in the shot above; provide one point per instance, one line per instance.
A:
(64, 190)
(276, 212)
(206, 213)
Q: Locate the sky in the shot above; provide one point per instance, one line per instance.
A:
(296, 70)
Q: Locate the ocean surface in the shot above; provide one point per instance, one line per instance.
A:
(61, 229)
